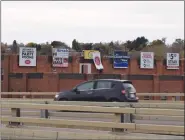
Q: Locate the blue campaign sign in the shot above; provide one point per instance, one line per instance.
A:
(120, 59)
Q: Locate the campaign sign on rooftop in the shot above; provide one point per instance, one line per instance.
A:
(172, 60)
(120, 59)
(27, 56)
(147, 60)
(88, 54)
(97, 60)
(60, 57)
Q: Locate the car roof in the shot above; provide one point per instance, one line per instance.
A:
(117, 80)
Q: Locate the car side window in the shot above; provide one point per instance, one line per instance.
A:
(104, 84)
(86, 86)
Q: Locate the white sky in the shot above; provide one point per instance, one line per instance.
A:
(90, 21)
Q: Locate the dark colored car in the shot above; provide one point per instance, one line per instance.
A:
(99, 90)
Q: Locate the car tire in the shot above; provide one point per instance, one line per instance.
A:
(114, 100)
(63, 99)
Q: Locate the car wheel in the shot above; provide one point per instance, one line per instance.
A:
(63, 99)
(114, 100)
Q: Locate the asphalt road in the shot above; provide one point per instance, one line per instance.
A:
(149, 136)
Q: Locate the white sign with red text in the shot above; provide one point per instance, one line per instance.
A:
(172, 61)
(147, 60)
(97, 60)
(27, 56)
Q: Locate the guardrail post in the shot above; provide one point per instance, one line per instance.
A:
(119, 119)
(44, 112)
(132, 118)
(123, 118)
(15, 112)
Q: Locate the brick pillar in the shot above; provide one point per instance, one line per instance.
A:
(133, 66)
(75, 64)
(182, 67)
(5, 65)
(26, 82)
(24, 88)
(183, 82)
(159, 66)
(156, 84)
(183, 73)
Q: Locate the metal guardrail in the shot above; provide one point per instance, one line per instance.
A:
(140, 104)
(122, 122)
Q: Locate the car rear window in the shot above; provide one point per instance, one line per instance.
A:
(129, 87)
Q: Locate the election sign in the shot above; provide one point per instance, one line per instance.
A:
(27, 56)
(172, 61)
(119, 60)
(97, 60)
(88, 54)
(147, 60)
(60, 57)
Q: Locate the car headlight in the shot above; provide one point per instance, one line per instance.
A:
(56, 96)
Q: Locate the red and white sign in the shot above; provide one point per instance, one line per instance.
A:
(97, 60)
(147, 60)
(60, 57)
(27, 56)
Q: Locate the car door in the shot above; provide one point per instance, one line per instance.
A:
(102, 90)
(85, 91)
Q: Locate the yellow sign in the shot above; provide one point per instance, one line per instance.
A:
(88, 54)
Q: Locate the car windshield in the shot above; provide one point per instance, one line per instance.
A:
(129, 87)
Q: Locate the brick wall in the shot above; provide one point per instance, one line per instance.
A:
(52, 82)
(42, 78)
(11, 65)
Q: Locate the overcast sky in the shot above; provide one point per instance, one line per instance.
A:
(91, 21)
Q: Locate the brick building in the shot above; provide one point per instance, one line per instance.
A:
(45, 78)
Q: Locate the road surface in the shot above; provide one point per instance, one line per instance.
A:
(95, 132)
